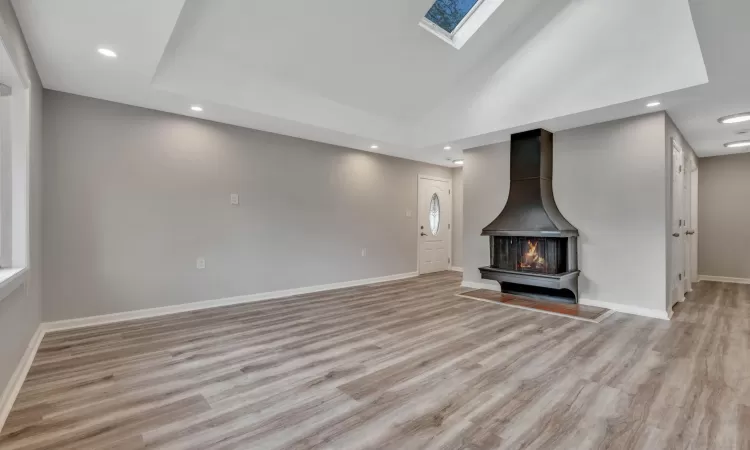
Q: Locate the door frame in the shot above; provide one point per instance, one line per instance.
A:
(450, 220)
(680, 240)
(687, 203)
(694, 225)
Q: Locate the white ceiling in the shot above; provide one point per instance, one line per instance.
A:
(362, 72)
(724, 34)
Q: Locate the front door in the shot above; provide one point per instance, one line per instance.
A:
(434, 224)
(677, 283)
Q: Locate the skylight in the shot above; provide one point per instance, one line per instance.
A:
(448, 14)
(455, 21)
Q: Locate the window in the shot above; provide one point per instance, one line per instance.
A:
(6, 178)
(434, 214)
(448, 14)
(14, 175)
(455, 21)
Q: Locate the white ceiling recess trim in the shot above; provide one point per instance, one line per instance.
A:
(208, 304)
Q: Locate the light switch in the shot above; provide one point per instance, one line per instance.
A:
(200, 263)
(234, 199)
(408, 213)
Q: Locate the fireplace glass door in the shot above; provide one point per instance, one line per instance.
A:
(529, 254)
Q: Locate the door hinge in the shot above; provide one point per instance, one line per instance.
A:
(449, 226)
(679, 276)
(449, 260)
(680, 169)
(449, 192)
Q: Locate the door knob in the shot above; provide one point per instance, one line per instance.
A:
(676, 234)
(422, 234)
(690, 232)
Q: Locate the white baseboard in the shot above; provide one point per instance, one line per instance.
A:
(166, 310)
(492, 286)
(19, 376)
(724, 279)
(457, 269)
(628, 309)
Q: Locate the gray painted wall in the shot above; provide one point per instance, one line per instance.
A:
(20, 311)
(134, 196)
(723, 216)
(609, 181)
(458, 217)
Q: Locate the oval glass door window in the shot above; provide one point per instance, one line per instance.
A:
(434, 214)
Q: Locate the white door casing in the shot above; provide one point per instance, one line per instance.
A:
(686, 222)
(434, 233)
(694, 225)
(677, 284)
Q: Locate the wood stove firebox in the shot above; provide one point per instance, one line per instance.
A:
(529, 254)
(533, 248)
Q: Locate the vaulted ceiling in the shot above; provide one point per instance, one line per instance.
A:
(359, 73)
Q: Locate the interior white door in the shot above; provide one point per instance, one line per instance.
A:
(693, 231)
(434, 227)
(686, 222)
(678, 245)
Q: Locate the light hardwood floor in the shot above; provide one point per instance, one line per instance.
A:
(403, 365)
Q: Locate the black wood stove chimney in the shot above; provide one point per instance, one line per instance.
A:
(533, 248)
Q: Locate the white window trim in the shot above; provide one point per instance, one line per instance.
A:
(10, 280)
(14, 169)
(6, 179)
(470, 24)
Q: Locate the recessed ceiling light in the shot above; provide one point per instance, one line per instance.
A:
(735, 118)
(459, 162)
(737, 144)
(107, 52)
(653, 104)
(374, 147)
(196, 108)
(447, 147)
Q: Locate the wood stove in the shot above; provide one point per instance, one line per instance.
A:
(533, 248)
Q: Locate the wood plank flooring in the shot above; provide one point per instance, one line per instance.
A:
(402, 365)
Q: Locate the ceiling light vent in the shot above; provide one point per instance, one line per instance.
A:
(107, 52)
(738, 144)
(735, 118)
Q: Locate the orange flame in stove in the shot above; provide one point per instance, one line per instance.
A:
(531, 259)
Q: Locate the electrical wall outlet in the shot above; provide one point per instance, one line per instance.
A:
(200, 263)
(234, 199)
